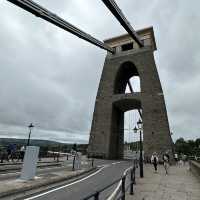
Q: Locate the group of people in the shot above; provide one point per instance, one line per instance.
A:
(165, 159)
(12, 153)
(180, 159)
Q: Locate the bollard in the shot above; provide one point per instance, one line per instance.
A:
(57, 160)
(96, 196)
(40, 157)
(67, 157)
(92, 162)
(132, 182)
(54, 156)
(73, 168)
(123, 187)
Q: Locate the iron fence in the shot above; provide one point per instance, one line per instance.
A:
(121, 189)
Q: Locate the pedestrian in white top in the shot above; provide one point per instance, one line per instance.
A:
(176, 158)
(166, 162)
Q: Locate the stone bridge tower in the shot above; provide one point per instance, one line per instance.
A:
(107, 131)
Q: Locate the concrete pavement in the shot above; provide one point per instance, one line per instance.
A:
(180, 184)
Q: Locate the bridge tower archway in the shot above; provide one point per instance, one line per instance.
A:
(126, 71)
(106, 136)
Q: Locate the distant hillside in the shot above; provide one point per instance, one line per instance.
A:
(20, 142)
(45, 145)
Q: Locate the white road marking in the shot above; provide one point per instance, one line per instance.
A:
(10, 173)
(40, 170)
(64, 186)
(103, 165)
(116, 163)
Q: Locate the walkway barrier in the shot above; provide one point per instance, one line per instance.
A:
(82, 162)
(73, 161)
(195, 168)
(125, 183)
(195, 158)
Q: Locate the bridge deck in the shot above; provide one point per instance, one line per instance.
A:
(180, 184)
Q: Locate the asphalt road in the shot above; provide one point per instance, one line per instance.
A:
(108, 173)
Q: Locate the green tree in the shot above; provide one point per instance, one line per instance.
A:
(74, 147)
(181, 146)
(189, 147)
(197, 142)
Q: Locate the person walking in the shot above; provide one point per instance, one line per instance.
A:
(166, 162)
(13, 149)
(176, 158)
(184, 159)
(9, 152)
(22, 152)
(154, 161)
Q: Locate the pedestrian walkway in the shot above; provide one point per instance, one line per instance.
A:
(180, 184)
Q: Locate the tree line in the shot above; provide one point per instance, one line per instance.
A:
(188, 147)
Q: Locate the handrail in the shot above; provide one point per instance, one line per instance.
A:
(120, 188)
(101, 190)
(116, 191)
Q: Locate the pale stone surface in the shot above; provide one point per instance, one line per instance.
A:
(30, 163)
(180, 184)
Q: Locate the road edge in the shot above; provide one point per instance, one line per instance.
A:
(48, 183)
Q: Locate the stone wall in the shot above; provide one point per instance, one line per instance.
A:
(106, 136)
(195, 168)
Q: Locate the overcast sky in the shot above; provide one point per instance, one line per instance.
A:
(50, 77)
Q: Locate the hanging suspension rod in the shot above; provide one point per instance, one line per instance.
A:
(131, 89)
(130, 86)
(116, 11)
(45, 14)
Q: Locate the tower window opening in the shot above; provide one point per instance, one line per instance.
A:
(135, 85)
(127, 47)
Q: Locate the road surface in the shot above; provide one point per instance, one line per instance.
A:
(108, 173)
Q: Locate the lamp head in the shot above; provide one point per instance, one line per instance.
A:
(139, 123)
(135, 129)
(31, 125)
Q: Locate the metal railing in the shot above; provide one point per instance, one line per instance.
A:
(195, 158)
(90, 162)
(121, 189)
(194, 167)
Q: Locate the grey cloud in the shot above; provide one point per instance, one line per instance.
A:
(50, 77)
(60, 136)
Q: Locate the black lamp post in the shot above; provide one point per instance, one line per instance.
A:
(30, 128)
(139, 123)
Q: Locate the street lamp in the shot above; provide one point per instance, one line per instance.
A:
(139, 123)
(30, 128)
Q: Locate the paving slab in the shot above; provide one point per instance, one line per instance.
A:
(180, 184)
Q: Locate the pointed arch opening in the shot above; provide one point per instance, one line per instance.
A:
(133, 85)
(127, 79)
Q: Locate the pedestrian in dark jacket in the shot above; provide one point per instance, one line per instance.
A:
(154, 161)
